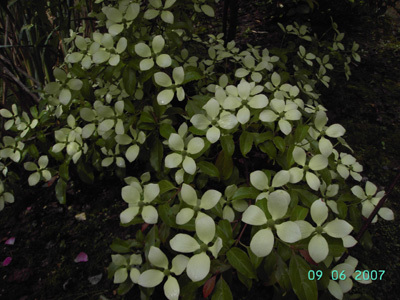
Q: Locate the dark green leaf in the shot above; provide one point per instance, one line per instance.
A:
(245, 280)
(306, 197)
(61, 191)
(342, 208)
(241, 262)
(165, 186)
(268, 148)
(85, 172)
(222, 291)
(63, 171)
(124, 246)
(301, 133)
(208, 168)
(245, 193)
(156, 155)
(262, 137)
(304, 288)
(33, 151)
(166, 214)
(246, 142)
(224, 164)
(298, 213)
(125, 287)
(166, 130)
(282, 274)
(192, 73)
(227, 144)
(279, 143)
(129, 80)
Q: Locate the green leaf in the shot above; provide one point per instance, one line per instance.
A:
(262, 137)
(129, 80)
(268, 148)
(304, 288)
(166, 130)
(208, 168)
(63, 171)
(342, 208)
(192, 74)
(124, 246)
(228, 144)
(282, 274)
(246, 142)
(301, 133)
(336, 247)
(247, 282)
(156, 155)
(166, 214)
(224, 231)
(245, 193)
(85, 172)
(241, 262)
(298, 213)
(165, 186)
(306, 197)
(61, 191)
(222, 291)
(125, 287)
(224, 164)
(279, 143)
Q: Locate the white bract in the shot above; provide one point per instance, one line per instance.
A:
(316, 163)
(229, 205)
(153, 277)
(183, 152)
(40, 171)
(5, 196)
(188, 194)
(259, 180)
(214, 120)
(263, 241)
(283, 111)
(318, 246)
(198, 266)
(347, 165)
(163, 79)
(126, 264)
(139, 200)
(159, 9)
(369, 199)
(122, 17)
(148, 54)
(243, 98)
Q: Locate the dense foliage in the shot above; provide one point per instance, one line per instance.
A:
(227, 155)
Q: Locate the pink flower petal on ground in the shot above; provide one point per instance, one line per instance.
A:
(82, 257)
(10, 241)
(29, 208)
(7, 261)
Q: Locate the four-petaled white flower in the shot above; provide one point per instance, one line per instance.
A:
(198, 266)
(147, 53)
(229, 205)
(126, 263)
(118, 19)
(259, 180)
(317, 162)
(318, 246)
(209, 199)
(139, 200)
(182, 154)
(152, 277)
(369, 199)
(263, 241)
(281, 110)
(160, 9)
(347, 165)
(214, 120)
(242, 97)
(163, 79)
(40, 171)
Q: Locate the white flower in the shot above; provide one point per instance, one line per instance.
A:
(369, 199)
(260, 181)
(263, 241)
(153, 277)
(318, 246)
(198, 266)
(139, 200)
(209, 199)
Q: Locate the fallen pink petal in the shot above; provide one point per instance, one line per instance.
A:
(10, 241)
(82, 257)
(7, 261)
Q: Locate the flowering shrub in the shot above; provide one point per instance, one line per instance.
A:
(224, 144)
